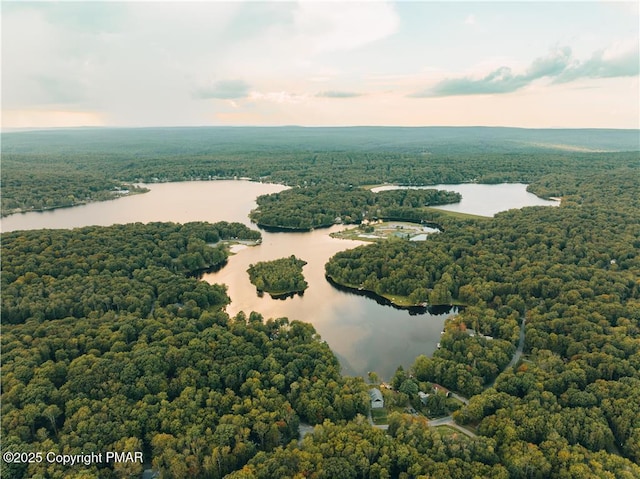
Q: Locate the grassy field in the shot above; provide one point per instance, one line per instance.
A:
(456, 214)
(382, 231)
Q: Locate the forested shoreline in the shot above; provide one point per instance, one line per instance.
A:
(41, 169)
(303, 209)
(107, 344)
(571, 272)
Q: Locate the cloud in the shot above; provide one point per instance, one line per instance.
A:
(338, 94)
(143, 64)
(558, 65)
(59, 89)
(604, 64)
(501, 80)
(278, 97)
(551, 65)
(223, 90)
(329, 26)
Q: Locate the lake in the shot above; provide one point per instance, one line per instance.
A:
(484, 200)
(366, 336)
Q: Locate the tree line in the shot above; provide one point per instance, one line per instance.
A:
(43, 169)
(321, 206)
(278, 277)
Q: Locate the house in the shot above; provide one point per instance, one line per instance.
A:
(473, 334)
(423, 397)
(377, 401)
(441, 389)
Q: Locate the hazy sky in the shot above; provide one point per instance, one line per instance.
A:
(527, 64)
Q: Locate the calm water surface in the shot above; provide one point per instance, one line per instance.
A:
(485, 200)
(365, 335)
(180, 202)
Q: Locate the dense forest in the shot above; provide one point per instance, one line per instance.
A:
(108, 342)
(279, 277)
(570, 272)
(53, 274)
(316, 207)
(108, 345)
(41, 169)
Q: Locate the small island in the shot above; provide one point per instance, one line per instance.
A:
(281, 278)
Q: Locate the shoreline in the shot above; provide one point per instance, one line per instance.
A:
(413, 308)
(281, 294)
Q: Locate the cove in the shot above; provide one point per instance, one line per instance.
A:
(365, 335)
(484, 200)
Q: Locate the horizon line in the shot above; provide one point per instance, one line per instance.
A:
(114, 127)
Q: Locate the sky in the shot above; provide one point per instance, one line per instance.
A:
(320, 63)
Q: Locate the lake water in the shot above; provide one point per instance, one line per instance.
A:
(179, 202)
(484, 200)
(366, 336)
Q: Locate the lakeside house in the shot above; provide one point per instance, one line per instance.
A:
(441, 389)
(473, 333)
(377, 400)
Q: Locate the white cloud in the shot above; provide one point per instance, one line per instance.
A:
(559, 65)
(338, 94)
(142, 63)
(620, 60)
(223, 89)
(278, 97)
(329, 26)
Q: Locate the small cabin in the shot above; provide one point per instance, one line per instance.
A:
(377, 400)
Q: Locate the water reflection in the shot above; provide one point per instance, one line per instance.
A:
(485, 200)
(365, 335)
(182, 202)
